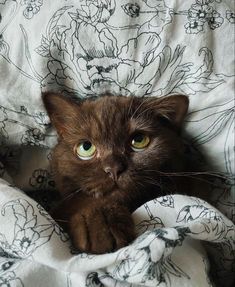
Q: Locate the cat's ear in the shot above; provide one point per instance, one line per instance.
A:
(61, 111)
(173, 108)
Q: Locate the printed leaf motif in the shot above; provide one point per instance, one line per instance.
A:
(189, 213)
(52, 25)
(43, 51)
(132, 10)
(28, 234)
(179, 76)
(201, 80)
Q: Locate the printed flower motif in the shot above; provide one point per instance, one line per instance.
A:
(230, 15)
(98, 63)
(41, 179)
(215, 21)
(93, 11)
(32, 8)
(33, 136)
(25, 240)
(193, 27)
(7, 276)
(201, 12)
(86, 59)
(6, 265)
(105, 64)
(166, 201)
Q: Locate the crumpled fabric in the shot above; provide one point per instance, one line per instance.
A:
(167, 252)
(144, 48)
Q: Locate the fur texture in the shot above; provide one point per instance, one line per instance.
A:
(100, 193)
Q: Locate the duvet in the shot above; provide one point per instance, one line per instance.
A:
(142, 47)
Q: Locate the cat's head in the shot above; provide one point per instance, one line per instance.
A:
(115, 143)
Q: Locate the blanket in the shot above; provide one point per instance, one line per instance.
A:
(143, 48)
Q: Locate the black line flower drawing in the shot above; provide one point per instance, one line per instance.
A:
(201, 13)
(215, 21)
(90, 67)
(7, 274)
(160, 16)
(32, 7)
(193, 26)
(150, 223)
(9, 279)
(210, 223)
(230, 15)
(144, 264)
(214, 121)
(95, 11)
(167, 201)
(28, 235)
(94, 64)
(33, 136)
(26, 239)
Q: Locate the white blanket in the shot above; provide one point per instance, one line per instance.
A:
(35, 252)
(142, 47)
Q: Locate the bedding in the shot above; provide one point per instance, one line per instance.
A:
(143, 47)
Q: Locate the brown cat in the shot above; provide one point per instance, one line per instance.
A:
(113, 154)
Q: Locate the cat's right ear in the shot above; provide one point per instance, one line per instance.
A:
(61, 111)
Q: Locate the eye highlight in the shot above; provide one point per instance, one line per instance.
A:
(139, 142)
(85, 150)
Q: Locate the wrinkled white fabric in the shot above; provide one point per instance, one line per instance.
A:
(145, 47)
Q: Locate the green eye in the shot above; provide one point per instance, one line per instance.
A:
(85, 150)
(139, 142)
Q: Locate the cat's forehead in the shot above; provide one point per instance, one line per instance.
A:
(107, 108)
(112, 118)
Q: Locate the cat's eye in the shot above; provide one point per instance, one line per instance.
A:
(85, 150)
(139, 142)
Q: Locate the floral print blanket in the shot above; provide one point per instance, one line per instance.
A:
(141, 47)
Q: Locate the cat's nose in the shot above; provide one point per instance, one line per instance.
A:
(114, 170)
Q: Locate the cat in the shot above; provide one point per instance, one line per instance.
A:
(114, 153)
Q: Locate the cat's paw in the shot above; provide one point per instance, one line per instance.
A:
(101, 230)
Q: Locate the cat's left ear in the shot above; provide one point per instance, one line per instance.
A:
(173, 108)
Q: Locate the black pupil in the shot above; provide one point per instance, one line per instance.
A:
(86, 145)
(138, 138)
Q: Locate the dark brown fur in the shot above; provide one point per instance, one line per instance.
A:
(97, 207)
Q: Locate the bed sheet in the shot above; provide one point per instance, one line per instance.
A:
(143, 47)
